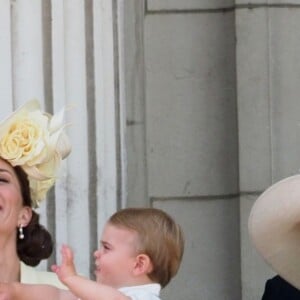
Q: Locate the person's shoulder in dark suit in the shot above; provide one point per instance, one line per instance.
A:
(277, 288)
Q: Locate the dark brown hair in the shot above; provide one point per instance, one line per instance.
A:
(159, 237)
(37, 243)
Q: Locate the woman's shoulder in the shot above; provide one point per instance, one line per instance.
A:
(33, 276)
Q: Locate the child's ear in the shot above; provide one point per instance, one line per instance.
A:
(143, 265)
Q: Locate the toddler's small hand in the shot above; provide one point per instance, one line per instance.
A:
(66, 268)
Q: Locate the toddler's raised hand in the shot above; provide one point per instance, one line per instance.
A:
(67, 267)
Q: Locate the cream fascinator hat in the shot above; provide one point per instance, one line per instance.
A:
(274, 227)
(35, 141)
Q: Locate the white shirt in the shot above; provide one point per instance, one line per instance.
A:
(142, 292)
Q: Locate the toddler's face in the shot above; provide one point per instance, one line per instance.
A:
(115, 258)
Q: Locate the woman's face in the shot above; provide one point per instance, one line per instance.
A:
(12, 212)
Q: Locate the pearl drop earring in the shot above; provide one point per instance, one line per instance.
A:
(21, 234)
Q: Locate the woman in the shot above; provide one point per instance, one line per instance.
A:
(32, 145)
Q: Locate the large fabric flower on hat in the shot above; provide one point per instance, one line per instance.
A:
(35, 141)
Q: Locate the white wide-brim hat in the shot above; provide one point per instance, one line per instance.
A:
(274, 227)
